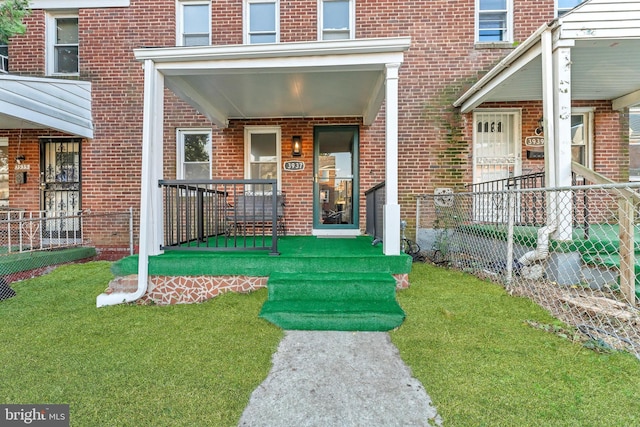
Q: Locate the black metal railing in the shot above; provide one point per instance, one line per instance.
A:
(222, 215)
(490, 204)
(375, 211)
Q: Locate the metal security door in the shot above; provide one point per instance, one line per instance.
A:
(60, 184)
(496, 156)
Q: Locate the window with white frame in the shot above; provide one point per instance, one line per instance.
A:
(4, 58)
(581, 137)
(261, 21)
(634, 144)
(194, 23)
(62, 44)
(194, 154)
(564, 6)
(336, 19)
(494, 21)
(262, 153)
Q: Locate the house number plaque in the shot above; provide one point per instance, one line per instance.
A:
(293, 165)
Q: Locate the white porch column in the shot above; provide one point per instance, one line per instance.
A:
(391, 232)
(562, 136)
(151, 195)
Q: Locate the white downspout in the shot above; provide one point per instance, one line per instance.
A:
(150, 206)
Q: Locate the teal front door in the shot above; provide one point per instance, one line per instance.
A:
(335, 168)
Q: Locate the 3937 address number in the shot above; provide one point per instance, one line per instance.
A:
(293, 165)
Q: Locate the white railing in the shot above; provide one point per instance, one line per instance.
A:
(4, 64)
(25, 231)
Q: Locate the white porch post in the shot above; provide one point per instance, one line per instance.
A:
(391, 232)
(562, 136)
(151, 195)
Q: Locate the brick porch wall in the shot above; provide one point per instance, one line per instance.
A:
(165, 290)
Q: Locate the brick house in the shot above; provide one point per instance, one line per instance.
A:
(421, 95)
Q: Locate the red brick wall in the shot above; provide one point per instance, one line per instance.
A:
(435, 142)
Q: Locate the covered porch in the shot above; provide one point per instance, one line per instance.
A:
(345, 82)
(586, 56)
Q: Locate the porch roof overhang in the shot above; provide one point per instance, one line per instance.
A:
(605, 57)
(46, 103)
(286, 80)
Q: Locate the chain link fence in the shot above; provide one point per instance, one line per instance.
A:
(575, 251)
(34, 242)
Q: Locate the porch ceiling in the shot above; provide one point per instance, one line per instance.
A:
(43, 103)
(600, 70)
(312, 79)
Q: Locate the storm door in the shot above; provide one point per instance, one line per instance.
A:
(496, 157)
(60, 184)
(336, 177)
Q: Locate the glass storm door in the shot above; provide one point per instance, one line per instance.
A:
(335, 177)
(60, 183)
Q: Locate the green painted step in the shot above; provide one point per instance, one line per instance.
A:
(320, 316)
(341, 287)
(333, 301)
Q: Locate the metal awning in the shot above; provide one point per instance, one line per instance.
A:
(46, 103)
(605, 59)
(309, 79)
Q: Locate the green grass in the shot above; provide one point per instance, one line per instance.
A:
(196, 365)
(469, 343)
(128, 365)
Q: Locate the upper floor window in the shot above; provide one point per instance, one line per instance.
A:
(194, 154)
(261, 21)
(62, 44)
(564, 6)
(494, 21)
(336, 19)
(194, 23)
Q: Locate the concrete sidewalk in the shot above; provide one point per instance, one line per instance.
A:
(326, 378)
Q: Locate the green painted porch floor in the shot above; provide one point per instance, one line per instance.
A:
(344, 284)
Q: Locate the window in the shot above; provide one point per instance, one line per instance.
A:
(564, 6)
(493, 21)
(194, 23)
(4, 58)
(62, 44)
(581, 147)
(194, 154)
(261, 21)
(634, 144)
(262, 153)
(336, 19)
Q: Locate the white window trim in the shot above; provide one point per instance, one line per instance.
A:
(352, 19)
(180, 132)
(509, 35)
(51, 39)
(245, 19)
(589, 117)
(76, 4)
(252, 130)
(180, 18)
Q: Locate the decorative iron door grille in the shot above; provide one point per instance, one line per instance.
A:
(60, 183)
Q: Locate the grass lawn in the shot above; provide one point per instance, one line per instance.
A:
(186, 365)
(470, 345)
(196, 365)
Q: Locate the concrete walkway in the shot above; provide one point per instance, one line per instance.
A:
(326, 378)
